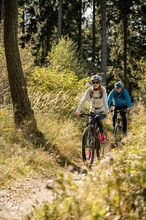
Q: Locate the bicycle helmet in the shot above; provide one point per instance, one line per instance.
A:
(118, 85)
(96, 78)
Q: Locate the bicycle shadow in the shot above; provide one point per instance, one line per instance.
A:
(61, 159)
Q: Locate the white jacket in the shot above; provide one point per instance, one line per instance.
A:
(97, 104)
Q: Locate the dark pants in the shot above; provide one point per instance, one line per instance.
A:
(123, 114)
(98, 119)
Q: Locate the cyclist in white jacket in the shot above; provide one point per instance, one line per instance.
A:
(98, 103)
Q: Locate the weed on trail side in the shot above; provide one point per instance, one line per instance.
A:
(19, 157)
(113, 189)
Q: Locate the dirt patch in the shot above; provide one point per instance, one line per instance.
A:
(19, 200)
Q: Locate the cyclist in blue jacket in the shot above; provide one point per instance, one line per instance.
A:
(122, 100)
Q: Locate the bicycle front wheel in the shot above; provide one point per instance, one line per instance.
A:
(88, 146)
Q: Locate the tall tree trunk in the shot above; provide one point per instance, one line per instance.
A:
(93, 36)
(23, 114)
(1, 18)
(59, 20)
(23, 29)
(80, 25)
(125, 50)
(1, 10)
(103, 41)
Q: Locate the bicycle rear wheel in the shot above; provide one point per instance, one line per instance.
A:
(99, 149)
(88, 146)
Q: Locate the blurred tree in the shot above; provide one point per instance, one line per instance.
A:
(1, 10)
(23, 114)
(60, 3)
(103, 41)
(125, 38)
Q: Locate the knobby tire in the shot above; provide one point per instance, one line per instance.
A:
(86, 146)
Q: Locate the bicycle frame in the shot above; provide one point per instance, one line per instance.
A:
(118, 125)
(90, 141)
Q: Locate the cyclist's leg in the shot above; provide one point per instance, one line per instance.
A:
(91, 117)
(117, 128)
(124, 120)
(114, 117)
(98, 119)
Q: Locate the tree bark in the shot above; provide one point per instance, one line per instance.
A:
(23, 114)
(80, 26)
(103, 41)
(93, 37)
(125, 50)
(59, 20)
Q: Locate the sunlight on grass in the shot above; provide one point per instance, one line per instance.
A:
(114, 189)
(18, 156)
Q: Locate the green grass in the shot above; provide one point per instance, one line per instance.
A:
(19, 157)
(114, 189)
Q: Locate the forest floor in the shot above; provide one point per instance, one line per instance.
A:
(19, 199)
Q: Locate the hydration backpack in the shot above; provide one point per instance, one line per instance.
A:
(92, 92)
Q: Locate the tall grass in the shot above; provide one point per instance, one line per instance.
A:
(114, 189)
(19, 157)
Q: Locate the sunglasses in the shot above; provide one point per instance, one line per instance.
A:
(95, 82)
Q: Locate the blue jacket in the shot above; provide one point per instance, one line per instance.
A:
(120, 99)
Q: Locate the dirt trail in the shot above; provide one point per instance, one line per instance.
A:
(17, 201)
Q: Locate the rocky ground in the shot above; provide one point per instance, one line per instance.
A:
(18, 200)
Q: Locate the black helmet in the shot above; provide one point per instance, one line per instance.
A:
(118, 85)
(96, 78)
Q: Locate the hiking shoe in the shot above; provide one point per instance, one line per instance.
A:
(88, 155)
(102, 137)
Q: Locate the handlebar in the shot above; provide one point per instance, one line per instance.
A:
(119, 110)
(84, 114)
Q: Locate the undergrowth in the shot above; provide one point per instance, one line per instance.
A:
(114, 189)
(19, 157)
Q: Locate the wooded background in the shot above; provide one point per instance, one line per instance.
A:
(110, 41)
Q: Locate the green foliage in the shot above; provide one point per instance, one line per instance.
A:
(52, 91)
(18, 156)
(141, 93)
(64, 57)
(48, 80)
(114, 189)
(57, 87)
(4, 87)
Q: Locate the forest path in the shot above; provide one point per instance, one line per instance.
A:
(18, 200)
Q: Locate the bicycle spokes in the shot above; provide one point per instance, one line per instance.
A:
(88, 147)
